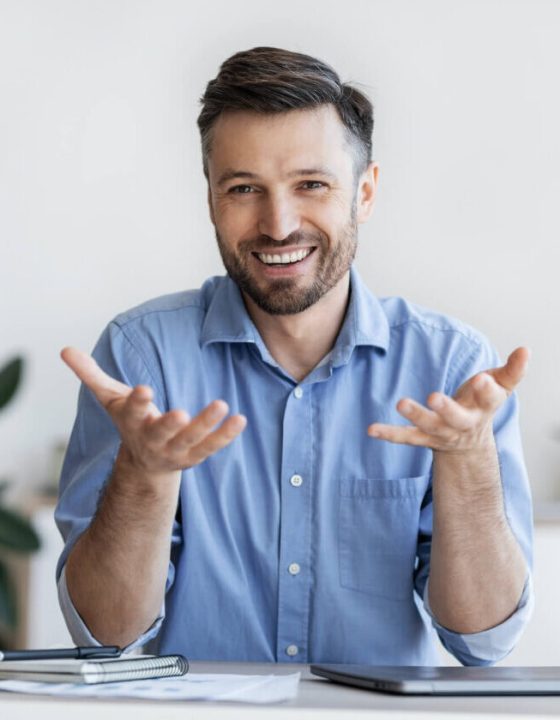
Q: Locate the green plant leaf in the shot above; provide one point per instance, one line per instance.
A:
(8, 607)
(10, 376)
(17, 533)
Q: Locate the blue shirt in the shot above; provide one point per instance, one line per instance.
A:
(304, 540)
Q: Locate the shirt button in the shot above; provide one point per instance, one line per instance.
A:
(292, 650)
(296, 480)
(298, 392)
(294, 569)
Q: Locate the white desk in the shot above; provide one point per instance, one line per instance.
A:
(317, 699)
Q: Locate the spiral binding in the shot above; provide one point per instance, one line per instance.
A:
(136, 669)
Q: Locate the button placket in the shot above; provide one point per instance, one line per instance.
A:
(294, 582)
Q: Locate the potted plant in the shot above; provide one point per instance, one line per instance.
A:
(16, 533)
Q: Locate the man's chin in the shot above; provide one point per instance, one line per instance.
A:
(284, 300)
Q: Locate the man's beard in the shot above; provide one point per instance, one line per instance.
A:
(283, 296)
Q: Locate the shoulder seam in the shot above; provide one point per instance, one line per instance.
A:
(460, 360)
(144, 360)
(121, 323)
(471, 337)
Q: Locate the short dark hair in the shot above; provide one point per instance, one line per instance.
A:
(271, 80)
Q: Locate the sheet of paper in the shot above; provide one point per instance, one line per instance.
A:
(193, 686)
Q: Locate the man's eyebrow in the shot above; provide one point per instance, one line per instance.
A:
(324, 171)
(229, 174)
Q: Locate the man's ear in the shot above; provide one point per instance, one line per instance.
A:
(210, 208)
(366, 192)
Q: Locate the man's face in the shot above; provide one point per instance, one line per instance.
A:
(285, 204)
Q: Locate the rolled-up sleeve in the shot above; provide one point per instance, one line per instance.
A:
(78, 629)
(488, 646)
(88, 465)
(491, 645)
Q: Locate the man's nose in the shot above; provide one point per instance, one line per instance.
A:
(279, 217)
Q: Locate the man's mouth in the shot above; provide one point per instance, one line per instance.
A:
(284, 258)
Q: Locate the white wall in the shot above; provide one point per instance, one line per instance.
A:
(102, 199)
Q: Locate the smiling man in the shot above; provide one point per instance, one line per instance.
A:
(221, 497)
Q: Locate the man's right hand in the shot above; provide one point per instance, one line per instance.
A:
(116, 572)
(155, 443)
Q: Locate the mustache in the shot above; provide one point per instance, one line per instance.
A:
(298, 237)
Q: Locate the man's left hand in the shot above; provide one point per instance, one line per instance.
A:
(462, 423)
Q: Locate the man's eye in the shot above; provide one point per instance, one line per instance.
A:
(313, 185)
(241, 189)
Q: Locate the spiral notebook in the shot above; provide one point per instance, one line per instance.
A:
(91, 672)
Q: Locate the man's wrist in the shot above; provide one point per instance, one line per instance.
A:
(131, 477)
(473, 474)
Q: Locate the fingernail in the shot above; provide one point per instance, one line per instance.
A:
(216, 411)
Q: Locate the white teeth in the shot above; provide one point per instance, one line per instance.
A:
(285, 258)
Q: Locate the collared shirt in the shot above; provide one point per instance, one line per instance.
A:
(304, 540)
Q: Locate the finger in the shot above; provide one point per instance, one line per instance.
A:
(402, 435)
(224, 435)
(103, 386)
(452, 413)
(424, 419)
(511, 374)
(488, 394)
(161, 430)
(137, 407)
(199, 427)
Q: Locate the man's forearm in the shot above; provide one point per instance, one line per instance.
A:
(477, 569)
(117, 570)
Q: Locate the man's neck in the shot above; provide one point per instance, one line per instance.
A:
(299, 342)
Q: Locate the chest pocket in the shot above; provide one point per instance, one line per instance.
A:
(378, 534)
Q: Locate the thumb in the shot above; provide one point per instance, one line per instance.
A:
(103, 386)
(511, 374)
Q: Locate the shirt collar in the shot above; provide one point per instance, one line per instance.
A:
(365, 322)
(227, 320)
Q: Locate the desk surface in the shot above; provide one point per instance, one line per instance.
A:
(317, 698)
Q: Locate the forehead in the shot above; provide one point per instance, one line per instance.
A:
(279, 142)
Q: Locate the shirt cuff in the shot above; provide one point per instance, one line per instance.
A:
(489, 646)
(78, 629)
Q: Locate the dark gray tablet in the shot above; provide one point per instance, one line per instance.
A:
(446, 680)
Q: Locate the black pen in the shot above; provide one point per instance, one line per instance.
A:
(103, 651)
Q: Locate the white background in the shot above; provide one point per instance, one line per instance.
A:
(102, 197)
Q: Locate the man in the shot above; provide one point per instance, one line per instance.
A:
(285, 533)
